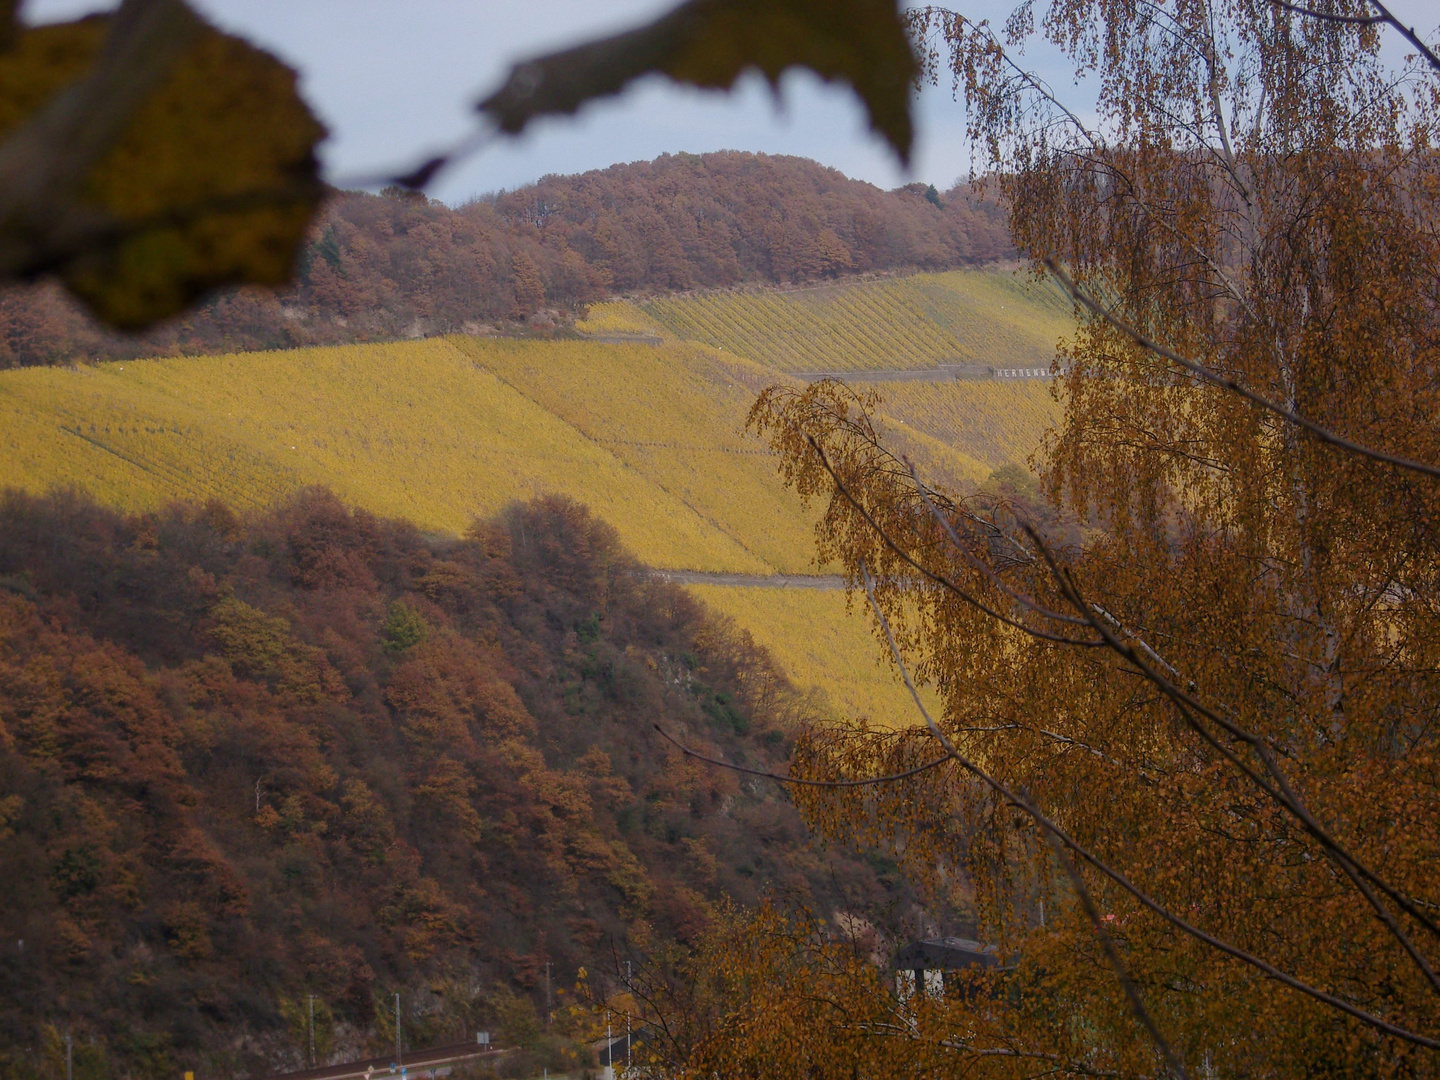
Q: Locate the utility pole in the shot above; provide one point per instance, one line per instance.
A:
(399, 1052)
(627, 1019)
(69, 1058)
(312, 1031)
(547, 995)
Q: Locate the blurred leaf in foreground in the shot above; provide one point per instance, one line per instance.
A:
(148, 158)
(710, 43)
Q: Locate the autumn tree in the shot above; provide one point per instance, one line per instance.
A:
(1185, 762)
(529, 287)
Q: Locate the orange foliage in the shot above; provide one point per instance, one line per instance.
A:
(398, 265)
(315, 752)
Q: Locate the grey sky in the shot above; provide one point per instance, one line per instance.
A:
(394, 79)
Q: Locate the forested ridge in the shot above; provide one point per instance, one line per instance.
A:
(398, 265)
(318, 752)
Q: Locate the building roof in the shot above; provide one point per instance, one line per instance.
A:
(612, 1051)
(946, 954)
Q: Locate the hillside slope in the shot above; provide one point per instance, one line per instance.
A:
(318, 753)
(983, 318)
(414, 430)
(399, 265)
(990, 317)
(676, 415)
(648, 433)
(438, 432)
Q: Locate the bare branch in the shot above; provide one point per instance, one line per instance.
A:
(1135, 638)
(931, 575)
(1325, 16)
(1408, 33)
(1055, 736)
(1385, 16)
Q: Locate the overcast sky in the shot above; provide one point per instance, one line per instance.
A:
(395, 79)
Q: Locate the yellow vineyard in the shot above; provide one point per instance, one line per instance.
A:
(416, 430)
(649, 436)
(996, 421)
(440, 432)
(995, 318)
(675, 416)
(821, 644)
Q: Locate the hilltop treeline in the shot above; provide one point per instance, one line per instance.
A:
(242, 762)
(398, 265)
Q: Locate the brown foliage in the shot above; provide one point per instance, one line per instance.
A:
(1209, 679)
(397, 265)
(315, 752)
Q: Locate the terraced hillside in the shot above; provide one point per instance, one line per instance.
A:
(417, 430)
(646, 428)
(441, 432)
(983, 318)
(988, 317)
(820, 643)
(997, 421)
